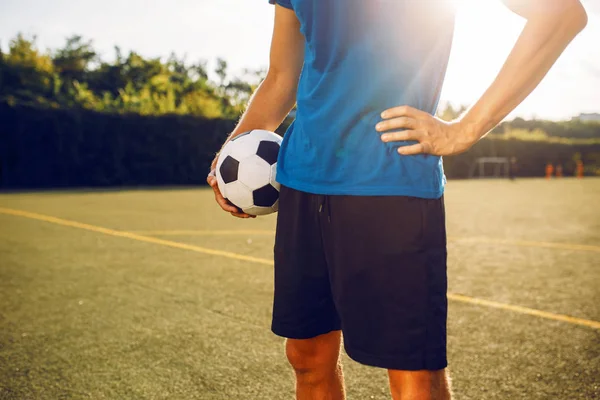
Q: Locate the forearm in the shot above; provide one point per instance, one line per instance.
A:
(269, 105)
(538, 47)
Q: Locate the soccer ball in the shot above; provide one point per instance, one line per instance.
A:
(246, 171)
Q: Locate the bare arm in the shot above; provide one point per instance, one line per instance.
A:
(551, 26)
(276, 95)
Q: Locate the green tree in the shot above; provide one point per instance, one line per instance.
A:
(26, 74)
(73, 61)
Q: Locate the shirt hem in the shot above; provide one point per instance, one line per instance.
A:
(359, 190)
(289, 7)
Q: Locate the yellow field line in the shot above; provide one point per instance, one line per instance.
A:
(129, 235)
(264, 261)
(524, 310)
(478, 239)
(204, 232)
(527, 243)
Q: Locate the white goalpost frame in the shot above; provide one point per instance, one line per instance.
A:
(501, 164)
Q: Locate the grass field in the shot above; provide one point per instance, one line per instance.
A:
(179, 307)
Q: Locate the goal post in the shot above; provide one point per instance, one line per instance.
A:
(490, 167)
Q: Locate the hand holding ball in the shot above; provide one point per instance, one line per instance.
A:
(246, 172)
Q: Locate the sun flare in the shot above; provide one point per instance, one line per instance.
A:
(485, 32)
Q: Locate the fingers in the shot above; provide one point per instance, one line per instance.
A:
(397, 123)
(242, 215)
(225, 205)
(223, 202)
(404, 111)
(419, 148)
(402, 136)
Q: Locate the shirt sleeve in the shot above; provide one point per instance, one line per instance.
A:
(283, 3)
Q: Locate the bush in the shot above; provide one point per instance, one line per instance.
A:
(41, 148)
(54, 148)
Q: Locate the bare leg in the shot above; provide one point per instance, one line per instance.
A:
(317, 366)
(420, 385)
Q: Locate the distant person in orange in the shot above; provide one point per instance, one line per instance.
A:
(549, 170)
(579, 169)
(559, 171)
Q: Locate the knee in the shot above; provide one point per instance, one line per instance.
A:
(311, 359)
(420, 385)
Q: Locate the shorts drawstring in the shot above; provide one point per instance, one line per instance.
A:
(325, 206)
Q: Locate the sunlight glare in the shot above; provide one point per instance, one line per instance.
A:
(484, 35)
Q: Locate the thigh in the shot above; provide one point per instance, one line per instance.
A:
(389, 279)
(303, 304)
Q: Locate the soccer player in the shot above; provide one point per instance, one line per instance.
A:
(360, 247)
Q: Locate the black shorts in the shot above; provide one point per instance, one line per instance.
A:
(372, 266)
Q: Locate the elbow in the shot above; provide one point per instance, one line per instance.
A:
(568, 17)
(281, 77)
(576, 18)
(569, 22)
(581, 19)
(275, 75)
(281, 80)
(282, 85)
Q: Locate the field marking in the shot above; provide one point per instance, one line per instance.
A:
(264, 261)
(524, 310)
(204, 232)
(476, 239)
(527, 243)
(129, 235)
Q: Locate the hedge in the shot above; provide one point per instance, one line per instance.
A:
(42, 148)
(60, 148)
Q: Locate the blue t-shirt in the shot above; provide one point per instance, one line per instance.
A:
(362, 57)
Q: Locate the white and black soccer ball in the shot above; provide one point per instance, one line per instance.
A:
(246, 172)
